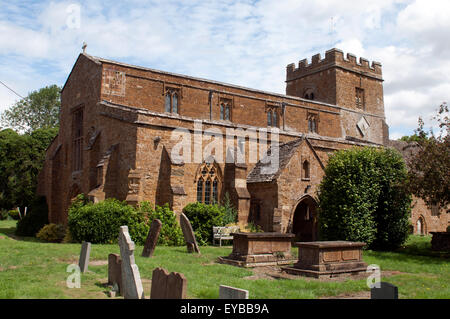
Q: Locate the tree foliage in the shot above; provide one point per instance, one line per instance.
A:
(21, 159)
(429, 169)
(40, 109)
(363, 197)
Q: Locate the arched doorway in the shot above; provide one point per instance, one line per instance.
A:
(304, 221)
(420, 226)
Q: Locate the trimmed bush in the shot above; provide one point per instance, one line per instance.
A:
(52, 233)
(362, 197)
(170, 234)
(36, 218)
(100, 223)
(203, 217)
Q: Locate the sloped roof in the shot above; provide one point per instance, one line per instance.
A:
(286, 151)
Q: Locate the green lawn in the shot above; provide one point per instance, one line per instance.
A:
(33, 269)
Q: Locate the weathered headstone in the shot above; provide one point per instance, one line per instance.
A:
(188, 234)
(168, 286)
(115, 270)
(386, 291)
(131, 279)
(152, 238)
(227, 292)
(84, 256)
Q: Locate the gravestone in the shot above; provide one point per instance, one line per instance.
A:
(84, 256)
(131, 279)
(386, 291)
(227, 292)
(188, 234)
(115, 270)
(152, 238)
(168, 286)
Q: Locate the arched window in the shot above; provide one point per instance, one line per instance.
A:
(305, 168)
(208, 183)
(269, 118)
(167, 103)
(312, 123)
(227, 113)
(274, 119)
(171, 101)
(225, 109)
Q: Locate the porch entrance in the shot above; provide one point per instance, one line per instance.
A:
(304, 224)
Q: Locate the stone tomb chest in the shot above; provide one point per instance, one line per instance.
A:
(260, 249)
(322, 259)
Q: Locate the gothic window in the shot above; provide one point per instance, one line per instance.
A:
(208, 184)
(171, 101)
(77, 138)
(306, 170)
(225, 109)
(312, 123)
(309, 94)
(272, 116)
(167, 104)
(359, 98)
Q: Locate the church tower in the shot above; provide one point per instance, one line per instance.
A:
(355, 87)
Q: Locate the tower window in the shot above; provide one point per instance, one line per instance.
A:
(359, 98)
(171, 101)
(312, 123)
(309, 94)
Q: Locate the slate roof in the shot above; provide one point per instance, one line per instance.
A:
(286, 151)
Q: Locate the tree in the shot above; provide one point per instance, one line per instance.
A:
(40, 109)
(362, 197)
(429, 168)
(21, 159)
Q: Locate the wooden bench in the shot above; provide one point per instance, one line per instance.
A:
(224, 233)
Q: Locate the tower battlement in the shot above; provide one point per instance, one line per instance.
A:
(333, 58)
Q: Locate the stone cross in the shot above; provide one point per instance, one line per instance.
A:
(115, 270)
(227, 292)
(84, 256)
(188, 234)
(386, 291)
(131, 279)
(168, 286)
(152, 238)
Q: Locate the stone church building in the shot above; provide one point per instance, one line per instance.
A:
(116, 139)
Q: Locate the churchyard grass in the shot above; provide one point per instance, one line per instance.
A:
(30, 268)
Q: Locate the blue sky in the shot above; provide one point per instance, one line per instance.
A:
(247, 43)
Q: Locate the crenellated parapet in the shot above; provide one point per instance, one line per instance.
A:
(333, 58)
